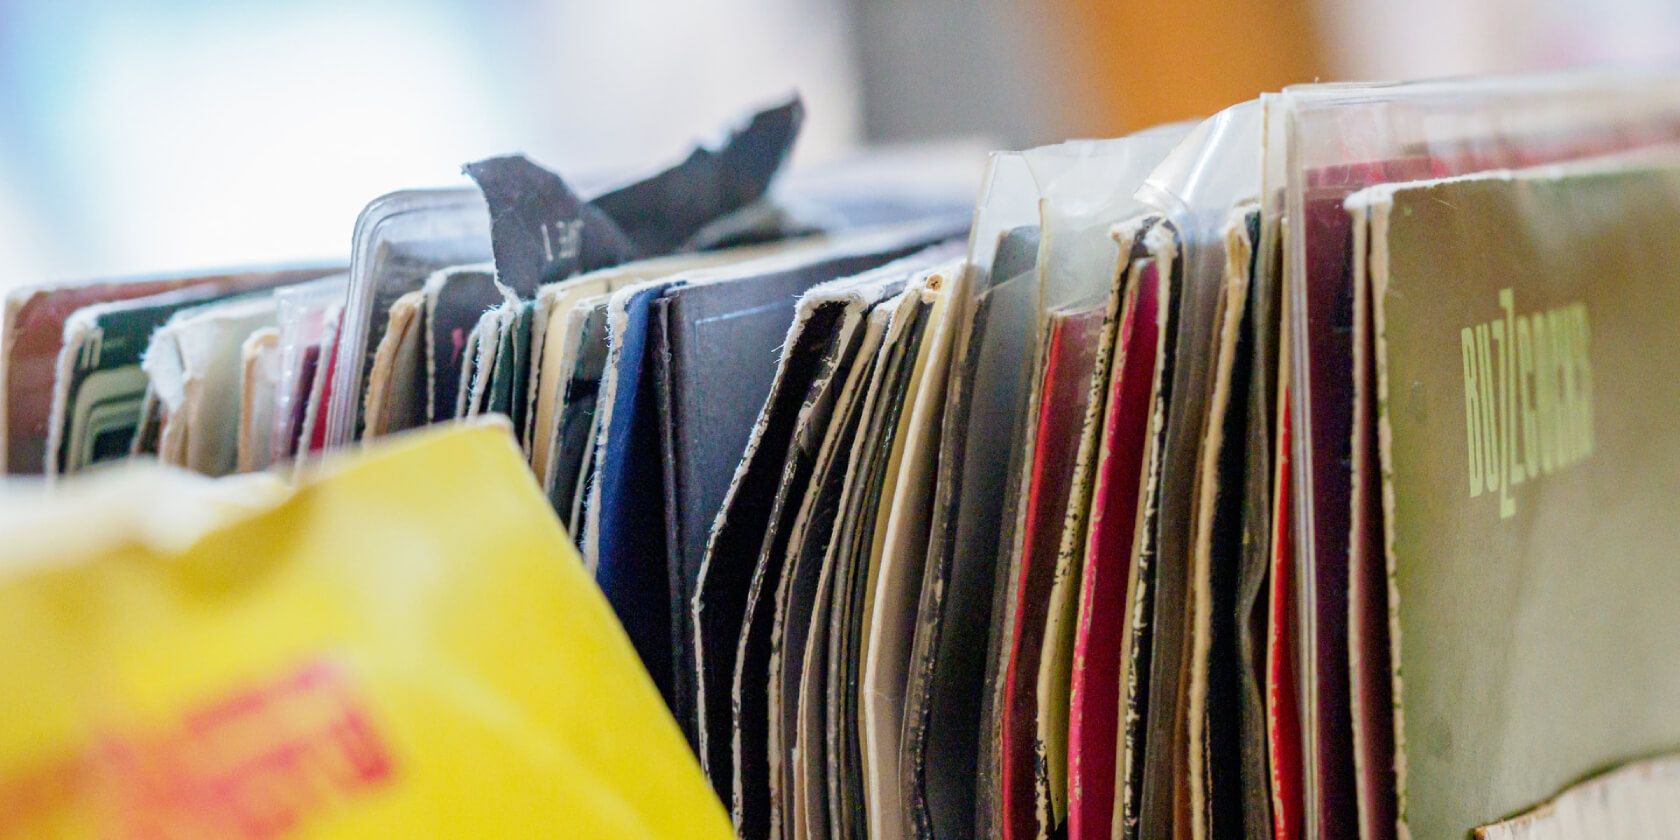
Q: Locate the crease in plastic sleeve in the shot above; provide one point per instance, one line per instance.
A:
(1084, 188)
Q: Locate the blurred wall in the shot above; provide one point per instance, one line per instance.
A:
(1029, 73)
(983, 68)
(1147, 62)
(1378, 39)
(143, 135)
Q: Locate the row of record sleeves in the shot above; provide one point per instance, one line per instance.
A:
(1304, 471)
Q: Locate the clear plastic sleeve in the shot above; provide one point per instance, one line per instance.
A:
(1324, 142)
(1085, 187)
(300, 312)
(1197, 184)
(400, 239)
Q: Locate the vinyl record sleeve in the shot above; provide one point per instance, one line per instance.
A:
(580, 411)
(627, 516)
(900, 555)
(1371, 689)
(779, 461)
(777, 625)
(1253, 572)
(194, 364)
(259, 378)
(1331, 141)
(1094, 713)
(34, 334)
(853, 541)
(725, 326)
(1056, 669)
(1193, 755)
(1164, 795)
(470, 353)
(1061, 400)
(941, 768)
(1214, 738)
(35, 318)
(485, 345)
(401, 239)
(508, 380)
(456, 298)
(806, 597)
(555, 357)
(1136, 641)
(396, 381)
(1522, 604)
(1284, 746)
(99, 388)
(306, 313)
(738, 309)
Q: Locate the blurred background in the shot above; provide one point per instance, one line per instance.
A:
(148, 135)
